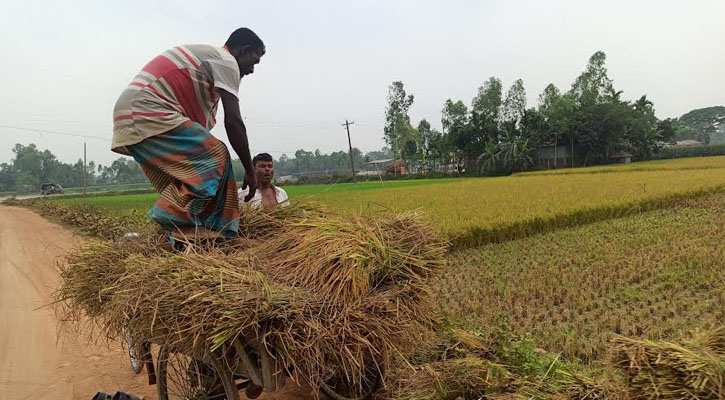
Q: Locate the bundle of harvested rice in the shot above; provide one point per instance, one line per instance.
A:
(470, 378)
(345, 259)
(93, 220)
(329, 296)
(455, 363)
(562, 384)
(92, 270)
(89, 275)
(478, 378)
(665, 370)
(266, 222)
(463, 364)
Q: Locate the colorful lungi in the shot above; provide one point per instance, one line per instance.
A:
(192, 170)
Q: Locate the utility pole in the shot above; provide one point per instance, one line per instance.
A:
(85, 171)
(349, 143)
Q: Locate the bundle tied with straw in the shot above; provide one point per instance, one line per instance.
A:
(330, 296)
(665, 370)
(346, 260)
(468, 377)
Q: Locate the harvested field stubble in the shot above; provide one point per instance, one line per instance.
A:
(370, 309)
(655, 275)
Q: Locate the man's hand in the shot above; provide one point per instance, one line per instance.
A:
(250, 181)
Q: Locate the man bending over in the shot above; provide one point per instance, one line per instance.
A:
(163, 119)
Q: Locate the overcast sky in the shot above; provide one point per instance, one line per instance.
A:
(65, 62)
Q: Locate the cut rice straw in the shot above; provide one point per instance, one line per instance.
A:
(330, 297)
(665, 370)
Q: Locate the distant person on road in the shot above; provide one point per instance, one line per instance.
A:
(267, 193)
(163, 119)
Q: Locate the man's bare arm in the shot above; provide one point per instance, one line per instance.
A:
(237, 134)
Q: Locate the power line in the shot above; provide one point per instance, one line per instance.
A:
(287, 125)
(78, 135)
(41, 131)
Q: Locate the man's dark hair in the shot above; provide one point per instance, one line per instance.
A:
(245, 37)
(261, 157)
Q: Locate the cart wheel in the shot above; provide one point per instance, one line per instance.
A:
(338, 389)
(181, 377)
(135, 352)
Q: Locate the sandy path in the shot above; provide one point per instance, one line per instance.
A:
(37, 361)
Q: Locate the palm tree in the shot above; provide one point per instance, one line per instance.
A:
(516, 153)
(490, 156)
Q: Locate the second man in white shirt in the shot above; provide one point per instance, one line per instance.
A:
(267, 193)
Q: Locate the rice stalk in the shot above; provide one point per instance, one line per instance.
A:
(665, 370)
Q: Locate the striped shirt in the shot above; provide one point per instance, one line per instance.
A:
(177, 86)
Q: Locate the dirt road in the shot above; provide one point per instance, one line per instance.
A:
(37, 359)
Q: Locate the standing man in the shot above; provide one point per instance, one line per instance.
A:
(163, 119)
(267, 193)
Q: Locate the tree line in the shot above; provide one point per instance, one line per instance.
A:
(30, 167)
(498, 133)
(338, 162)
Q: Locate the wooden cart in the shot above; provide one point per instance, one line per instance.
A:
(222, 374)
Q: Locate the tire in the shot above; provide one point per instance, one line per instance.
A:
(135, 354)
(182, 377)
(335, 392)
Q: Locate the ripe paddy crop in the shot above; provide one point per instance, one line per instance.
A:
(477, 211)
(655, 165)
(481, 210)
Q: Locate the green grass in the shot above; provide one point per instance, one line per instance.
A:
(123, 203)
(116, 203)
(321, 190)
